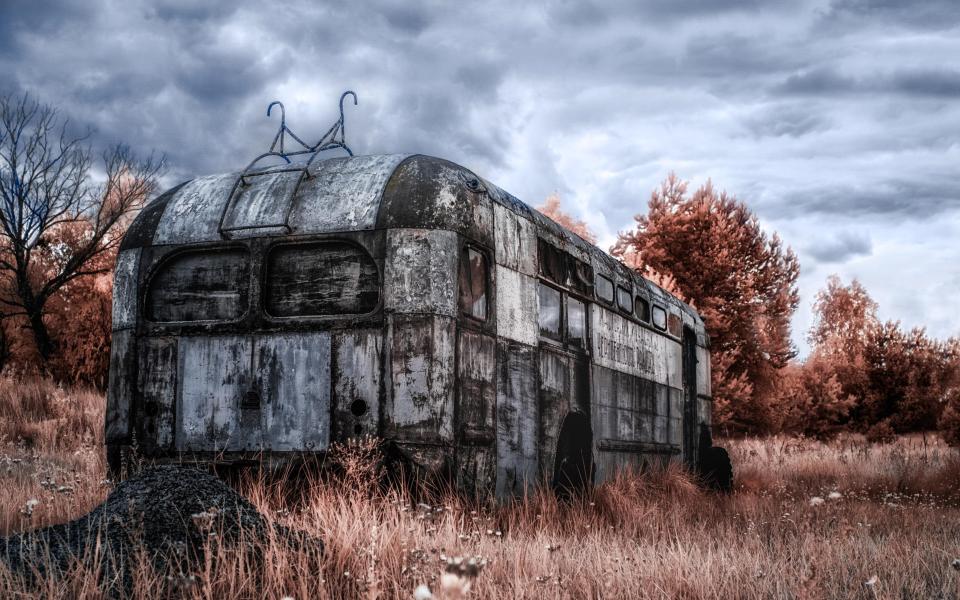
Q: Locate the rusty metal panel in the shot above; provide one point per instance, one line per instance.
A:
(357, 380)
(261, 206)
(120, 387)
(420, 275)
(704, 410)
(623, 345)
(703, 372)
(419, 407)
(193, 215)
(554, 404)
(516, 241)
(158, 391)
(516, 418)
(517, 307)
(293, 377)
(476, 406)
(124, 312)
(214, 376)
(342, 194)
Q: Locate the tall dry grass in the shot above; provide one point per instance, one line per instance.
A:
(807, 520)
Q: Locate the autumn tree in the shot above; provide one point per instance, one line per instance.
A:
(742, 282)
(551, 208)
(57, 223)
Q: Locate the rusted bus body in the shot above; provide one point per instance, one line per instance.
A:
(400, 296)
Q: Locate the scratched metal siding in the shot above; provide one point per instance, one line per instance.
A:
(703, 372)
(193, 215)
(124, 310)
(517, 418)
(623, 345)
(419, 407)
(260, 207)
(158, 391)
(357, 375)
(421, 272)
(516, 241)
(556, 398)
(214, 372)
(120, 389)
(476, 406)
(342, 194)
(517, 307)
(293, 378)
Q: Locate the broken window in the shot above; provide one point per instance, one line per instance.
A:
(320, 279)
(605, 289)
(673, 324)
(642, 309)
(576, 322)
(473, 284)
(550, 312)
(624, 299)
(659, 317)
(208, 285)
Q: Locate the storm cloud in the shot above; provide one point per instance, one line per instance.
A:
(836, 121)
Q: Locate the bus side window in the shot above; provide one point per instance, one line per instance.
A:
(624, 299)
(642, 309)
(550, 317)
(576, 322)
(473, 283)
(604, 289)
(659, 317)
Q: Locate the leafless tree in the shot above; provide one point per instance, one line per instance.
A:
(59, 218)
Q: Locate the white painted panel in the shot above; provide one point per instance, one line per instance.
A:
(343, 194)
(517, 307)
(421, 272)
(703, 372)
(623, 345)
(293, 373)
(213, 377)
(125, 289)
(516, 241)
(193, 215)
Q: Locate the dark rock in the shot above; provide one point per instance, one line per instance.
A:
(169, 512)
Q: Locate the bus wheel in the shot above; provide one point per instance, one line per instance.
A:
(717, 469)
(573, 467)
(114, 461)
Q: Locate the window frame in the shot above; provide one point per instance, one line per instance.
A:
(613, 289)
(653, 320)
(145, 312)
(465, 250)
(264, 262)
(629, 294)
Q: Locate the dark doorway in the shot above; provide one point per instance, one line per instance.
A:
(573, 467)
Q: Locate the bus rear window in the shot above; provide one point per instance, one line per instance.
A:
(322, 279)
(207, 285)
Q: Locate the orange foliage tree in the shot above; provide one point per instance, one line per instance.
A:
(551, 208)
(742, 282)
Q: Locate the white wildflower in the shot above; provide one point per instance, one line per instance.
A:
(871, 582)
(816, 501)
(835, 495)
(422, 592)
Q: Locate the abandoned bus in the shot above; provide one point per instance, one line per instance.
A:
(403, 297)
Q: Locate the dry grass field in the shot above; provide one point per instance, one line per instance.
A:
(807, 520)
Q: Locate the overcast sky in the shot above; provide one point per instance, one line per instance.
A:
(837, 122)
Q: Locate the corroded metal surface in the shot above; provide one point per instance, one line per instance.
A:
(472, 389)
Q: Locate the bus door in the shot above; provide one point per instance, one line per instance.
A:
(564, 399)
(476, 362)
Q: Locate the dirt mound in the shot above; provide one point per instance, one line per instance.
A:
(168, 512)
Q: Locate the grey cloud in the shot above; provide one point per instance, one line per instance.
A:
(912, 82)
(899, 199)
(840, 248)
(786, 120)
(928, 14)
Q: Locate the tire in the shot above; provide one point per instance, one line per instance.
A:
(718, 469)
(114, 461)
